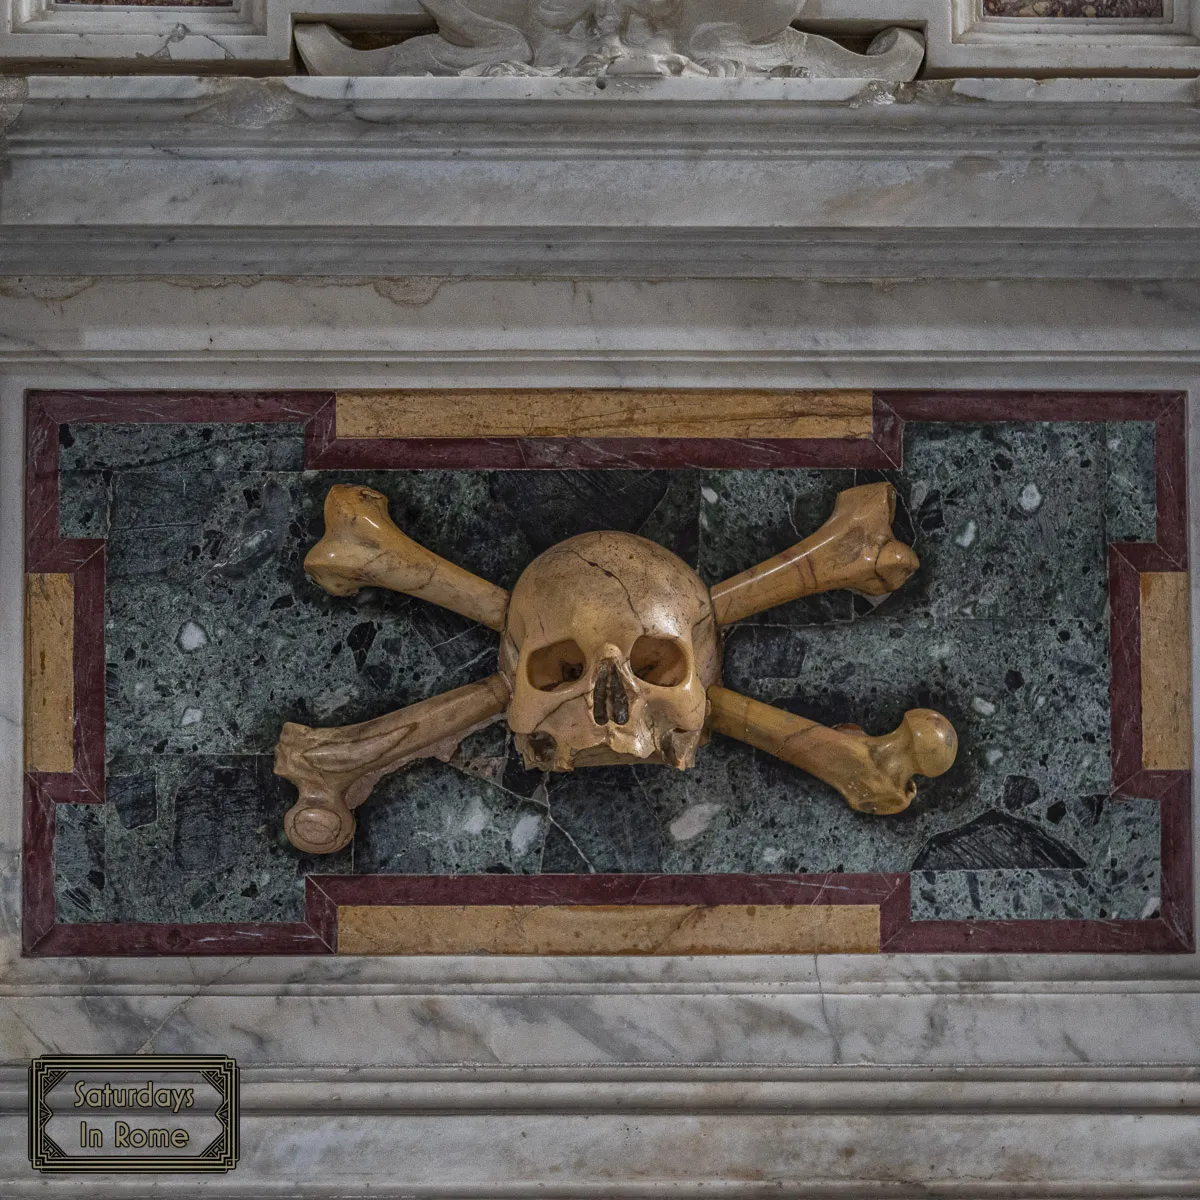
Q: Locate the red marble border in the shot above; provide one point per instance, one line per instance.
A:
(1168, 411)
(1168, 933)
(329, 452)
(37, 864)
(1171, 931)
(84, 559)
(41, 935)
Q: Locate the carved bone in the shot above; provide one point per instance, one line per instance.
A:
(363, 548)
(854, 549)
(336, 769)
(874, 774)
(626, 636)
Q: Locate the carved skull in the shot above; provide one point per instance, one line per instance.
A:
(609, 648)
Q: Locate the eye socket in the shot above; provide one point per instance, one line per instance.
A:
(552, 666)
(659, 661)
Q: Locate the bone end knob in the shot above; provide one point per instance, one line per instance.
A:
(873, 774)
(934, 741)
(354, 516)
(855, 549)
(319, 828)
(924, 744)
(362, 547)
(895, 565)
(336, 769)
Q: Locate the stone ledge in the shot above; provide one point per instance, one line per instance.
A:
(1067, 1133)
(551, 178)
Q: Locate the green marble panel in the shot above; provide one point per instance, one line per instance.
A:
(215, 637)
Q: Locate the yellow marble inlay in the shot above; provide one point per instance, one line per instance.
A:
(1166, 672)
(670, 929)
(49, 673)
(604, 413)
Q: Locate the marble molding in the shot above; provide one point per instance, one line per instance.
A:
(1029, 9)
(1017, 1076)
(1121, 37)
(676, 178)
(972, 1076)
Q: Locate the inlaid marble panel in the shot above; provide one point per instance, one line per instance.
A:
(1093, 9)
(213, 637)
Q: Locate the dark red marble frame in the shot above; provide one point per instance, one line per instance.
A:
(1170, 932)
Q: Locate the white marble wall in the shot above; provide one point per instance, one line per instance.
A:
(659, 179)
(961, 1076)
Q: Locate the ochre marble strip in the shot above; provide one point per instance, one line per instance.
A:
(600, 413)
(609, 929)
(1166, 667)
(49, 673)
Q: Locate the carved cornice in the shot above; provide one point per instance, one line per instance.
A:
(983, 179)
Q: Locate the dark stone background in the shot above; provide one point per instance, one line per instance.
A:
(215, 637)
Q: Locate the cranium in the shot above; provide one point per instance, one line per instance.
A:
(610, 647)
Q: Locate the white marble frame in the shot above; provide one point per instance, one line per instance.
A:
(953, 1075)
(257, 35)
(877, 1053)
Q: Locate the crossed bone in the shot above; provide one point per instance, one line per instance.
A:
(336, 769)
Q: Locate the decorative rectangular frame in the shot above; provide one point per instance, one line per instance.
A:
(1172, 931)
(219, 1156)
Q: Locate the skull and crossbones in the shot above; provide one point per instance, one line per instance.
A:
(610, 653)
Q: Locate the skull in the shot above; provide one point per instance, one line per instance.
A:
(610, 647)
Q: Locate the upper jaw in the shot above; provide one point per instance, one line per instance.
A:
(616, 747)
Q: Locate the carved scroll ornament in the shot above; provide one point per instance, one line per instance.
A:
(706, 38)
(610, 653)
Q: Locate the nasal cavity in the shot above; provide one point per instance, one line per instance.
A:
(609, 701)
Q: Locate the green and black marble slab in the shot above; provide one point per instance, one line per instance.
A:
(214, 637)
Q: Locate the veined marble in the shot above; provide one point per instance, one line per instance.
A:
(212, 631)
(1041, 37)
(1028, 1076)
